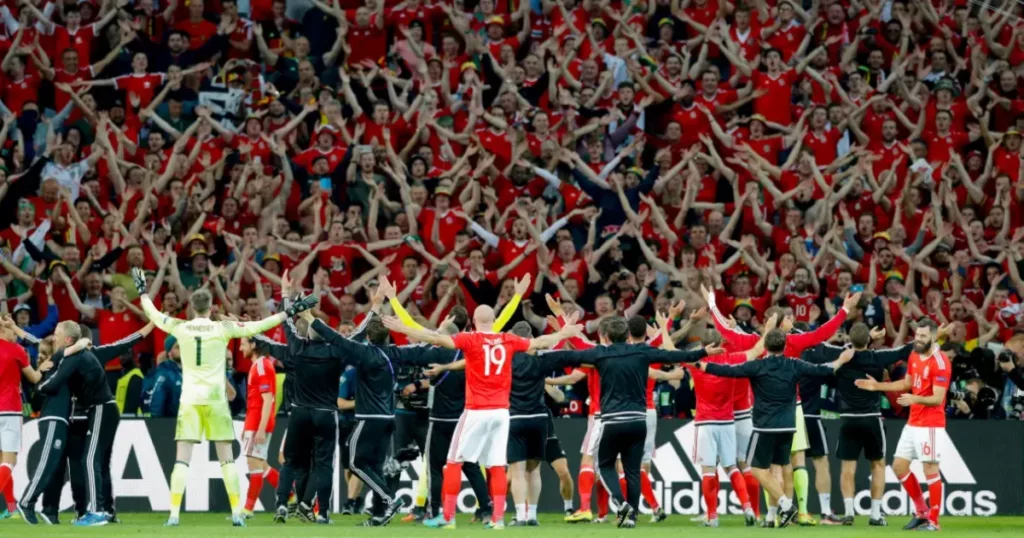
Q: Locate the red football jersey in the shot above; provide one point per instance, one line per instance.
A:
(262, 380)
(337, 261)
(775, 105)
(742, 397)
(801, 304)
(143, 85)
(925, 374)
(12, 359)
(488, 367)
(714, 393)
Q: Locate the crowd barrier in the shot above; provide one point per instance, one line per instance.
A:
(983, 467)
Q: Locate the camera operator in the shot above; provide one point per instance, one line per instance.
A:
(1013, 392)
(975, 401)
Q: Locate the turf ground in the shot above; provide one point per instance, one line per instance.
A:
(150, 525)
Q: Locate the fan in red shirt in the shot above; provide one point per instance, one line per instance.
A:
(327, 147)
(928, 376)
(260, 395)
(775, 86)
(482, 434)
(14, 364)
(19, 86)
(73, 36)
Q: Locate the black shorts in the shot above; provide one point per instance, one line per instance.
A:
(861, 433)
(526, 438)
(816, 437)
(769, 448)
(553, 447)
(345, 428)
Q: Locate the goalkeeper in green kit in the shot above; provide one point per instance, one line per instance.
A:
(204, 407)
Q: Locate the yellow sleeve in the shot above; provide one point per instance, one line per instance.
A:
(403, 315)
(507, 313)
(163, 322)
(245, 329)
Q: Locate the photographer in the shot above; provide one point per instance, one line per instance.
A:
(975, 401)
(1013, 391)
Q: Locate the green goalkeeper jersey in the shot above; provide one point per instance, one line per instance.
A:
(204, 347)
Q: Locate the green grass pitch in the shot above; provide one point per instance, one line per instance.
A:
(207, 525)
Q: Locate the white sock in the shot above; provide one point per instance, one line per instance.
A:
(785, 503)
(567, 503)
(876, 509)
(771, 513)
(848, 504)
(531, 512)
(520, 512)
(826, 503)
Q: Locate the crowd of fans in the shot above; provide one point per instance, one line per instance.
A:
(622, 153)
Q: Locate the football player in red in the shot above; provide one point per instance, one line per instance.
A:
(927, 381)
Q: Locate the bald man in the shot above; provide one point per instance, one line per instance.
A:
(484, 425)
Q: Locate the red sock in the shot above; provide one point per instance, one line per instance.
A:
(271, 477)
(586, 482)
(255, 485)
(647, 491)
(602, 501)
(753, 491)
(622, 484)
(7, 487)
(450, 488)
(498, 489)
(709, 488)
(739, 486)
(934, 497)
(913, 488)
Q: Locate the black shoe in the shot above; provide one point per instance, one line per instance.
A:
(28, 514)
(391, 510)
(112, 518)
(880, 522)
(281, 514)
(305, 513)
(372, 522)
(766, 524)
(927, 527)
(626, 512)
(321, 520)
(628, 524)
(785, 516)
(49, 519)
(532, 523)
(915, 522)
(292, 509)
(832, 519)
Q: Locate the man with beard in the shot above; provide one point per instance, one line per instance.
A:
(774, 382)
(798, 295)
(927, 380)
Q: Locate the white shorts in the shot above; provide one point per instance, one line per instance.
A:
(593, 436)
(652, 429)
(252, 449)
(10, 433)
(715, 444)
(919, 443)
(744, 431)
(481, 437)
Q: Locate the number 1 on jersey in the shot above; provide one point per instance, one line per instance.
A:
(199, 351)
(494, 355)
